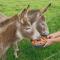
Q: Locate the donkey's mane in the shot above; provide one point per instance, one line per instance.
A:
(9, 20)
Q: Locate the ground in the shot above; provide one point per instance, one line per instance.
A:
(27, 51)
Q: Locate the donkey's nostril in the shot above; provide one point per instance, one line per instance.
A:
(36, 37)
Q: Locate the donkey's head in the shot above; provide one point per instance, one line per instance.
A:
(28, 19)
(27, 28)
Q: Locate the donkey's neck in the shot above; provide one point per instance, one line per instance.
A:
(8, 20)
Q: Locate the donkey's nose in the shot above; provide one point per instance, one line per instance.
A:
(36, 36)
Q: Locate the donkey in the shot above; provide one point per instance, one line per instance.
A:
(33, 23)
(28, 23)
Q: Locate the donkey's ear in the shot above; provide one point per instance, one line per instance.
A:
(25, 9)
(23, 14)
(46, 8)
(22, 21)
(28, 7)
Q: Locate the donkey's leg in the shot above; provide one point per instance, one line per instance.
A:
(16, 49)
(4, 57)
(2, 52)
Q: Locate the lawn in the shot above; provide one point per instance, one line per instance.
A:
(27, 51)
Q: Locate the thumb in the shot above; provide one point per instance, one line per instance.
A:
(49, 36)
(49, 42)
(46, 45)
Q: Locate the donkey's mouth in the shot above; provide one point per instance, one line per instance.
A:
(41, 42)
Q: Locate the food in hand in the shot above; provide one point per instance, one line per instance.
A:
(40, 42)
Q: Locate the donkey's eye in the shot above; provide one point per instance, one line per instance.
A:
(27, 28)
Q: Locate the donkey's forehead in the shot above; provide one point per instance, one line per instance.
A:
(32, 11)
(31, 15)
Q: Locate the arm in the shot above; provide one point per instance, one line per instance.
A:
(54, 35)
(57, 39)
(52, 41)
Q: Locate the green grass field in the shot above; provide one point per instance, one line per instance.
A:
(27, 51)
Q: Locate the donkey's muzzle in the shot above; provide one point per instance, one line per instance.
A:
(39, 43)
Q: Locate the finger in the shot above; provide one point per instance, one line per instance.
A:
(49, 36)
(46, 45)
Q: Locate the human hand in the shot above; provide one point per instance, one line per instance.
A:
(49, 42)
(51, 36)
(40, 42)
(50, 39)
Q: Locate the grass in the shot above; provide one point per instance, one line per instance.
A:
(27, 51)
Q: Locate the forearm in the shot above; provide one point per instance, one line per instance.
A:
(57, 34)
(56, 39)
